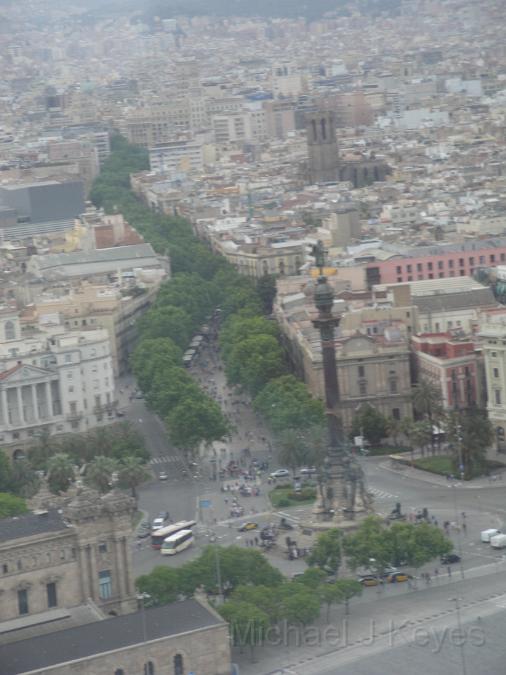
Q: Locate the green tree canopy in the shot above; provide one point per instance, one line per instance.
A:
(10, 505)
(371, 423)
(196, 419)
(238, 328)
(162, 584)
(60, 472)
(248, 623)
(132, 473)
(167, 321)
(470, 435)
(286, 404)
(99, 473)
(153, 356)
(415, 544)
(326, 553)
(255, 361)
(169, 387)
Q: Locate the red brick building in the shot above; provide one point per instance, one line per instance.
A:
(452, 363)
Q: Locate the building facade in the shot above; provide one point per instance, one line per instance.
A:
(493, 343)
(438, 261)
(52, 559)
(452, 363)
(54, 384)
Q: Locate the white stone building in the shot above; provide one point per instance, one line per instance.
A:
(56, 382)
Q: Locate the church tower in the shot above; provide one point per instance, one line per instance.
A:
(322, 146)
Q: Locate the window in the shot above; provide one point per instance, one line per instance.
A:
(23, 601)
(98, 400)
(5, 568)
(441, 275)
(409, 269)
(119, 671)
(398, 269)
(396, 413)
(178, 665)
(68, 358)
(418, 267)
(492, 258)
(450, 264)
(496, 372)
(69, 376)
(52, 599)
(429, 266)
(503, 257)
(20, 565)
(461, 262)
(10, 330)
(362, 388)
(498, 396)
(105, 585)
(393, 386)
(482, 259)
(102, 547)
(149, 668)
(440, 265)
(471, 261)
(361, 371)
(431, 276)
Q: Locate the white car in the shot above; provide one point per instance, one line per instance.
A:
(280, 473)
(308, 471)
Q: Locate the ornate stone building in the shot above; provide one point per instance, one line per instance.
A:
(63, 558)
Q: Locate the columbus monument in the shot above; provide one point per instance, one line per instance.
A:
(344, 493)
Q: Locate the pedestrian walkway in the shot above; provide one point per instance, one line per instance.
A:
(435, 479)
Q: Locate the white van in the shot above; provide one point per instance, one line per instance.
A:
(487, 535)
(499, 541)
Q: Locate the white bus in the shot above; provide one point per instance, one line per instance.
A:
(177, 542)
(160, 535)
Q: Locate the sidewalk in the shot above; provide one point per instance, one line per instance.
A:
(436, 479)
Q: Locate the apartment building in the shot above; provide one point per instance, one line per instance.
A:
(56, 381)
(453, 364)
(493, 344)
(439, 261)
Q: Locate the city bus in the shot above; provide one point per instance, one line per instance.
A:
(177, 542)
(158, 536)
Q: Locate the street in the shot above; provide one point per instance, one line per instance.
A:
(193, 494)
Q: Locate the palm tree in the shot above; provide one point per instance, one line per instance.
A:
(99, 473)
(428, 403)
(60, 472)
(132, 473)
(292, 449)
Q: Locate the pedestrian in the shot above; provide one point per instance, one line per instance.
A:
(256, 541)
(449, 570)
(436, 572)
(464, 527)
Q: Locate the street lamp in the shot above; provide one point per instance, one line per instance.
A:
(461, 640)
(459, 532)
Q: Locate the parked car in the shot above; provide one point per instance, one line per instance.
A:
(139, 394)
(487, 535)
(308, 471)
(397, 577)
(450, 558)
(246, 527)
(368, 580)
(120, 413)
(160, 520)
(143, 531)
(280, 473)
(163, 475)
(389, 569)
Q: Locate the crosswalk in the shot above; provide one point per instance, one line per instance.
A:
(166, 459)
(381, 494)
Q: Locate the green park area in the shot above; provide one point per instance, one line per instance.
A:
(285, 495)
